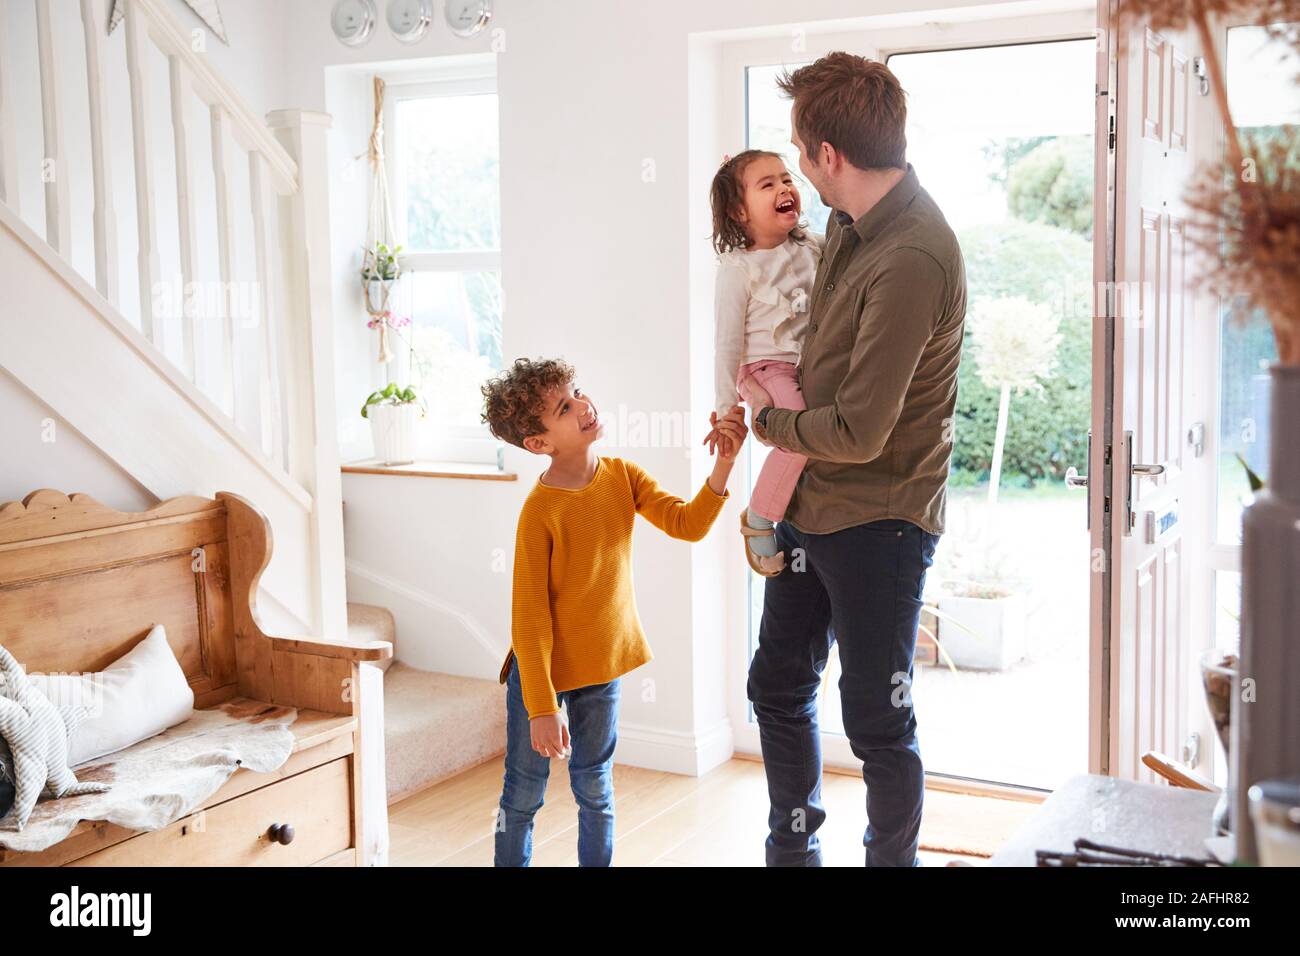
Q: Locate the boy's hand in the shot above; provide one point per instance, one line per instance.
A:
(550, 735)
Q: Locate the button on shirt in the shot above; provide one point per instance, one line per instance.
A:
(879, 369)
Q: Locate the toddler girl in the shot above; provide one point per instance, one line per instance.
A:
(767, 263)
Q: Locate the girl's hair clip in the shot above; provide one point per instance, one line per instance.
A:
(726, 158)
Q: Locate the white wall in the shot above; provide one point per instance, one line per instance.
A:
(40, 450)
(601, 267)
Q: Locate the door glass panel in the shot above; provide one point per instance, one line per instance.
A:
(1263, 101)
(1014, 177)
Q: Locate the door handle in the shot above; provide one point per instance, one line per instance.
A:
(1075, 480)
(1134, 471)
(1148, 471)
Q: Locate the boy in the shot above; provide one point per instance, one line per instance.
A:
(575, 629)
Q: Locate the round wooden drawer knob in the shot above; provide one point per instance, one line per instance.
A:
(281, 833)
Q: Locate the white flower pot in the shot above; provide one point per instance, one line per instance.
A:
(393, 428)
(999, 626)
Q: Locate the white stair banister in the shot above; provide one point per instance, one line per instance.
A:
(313, 445)
(101, 169)
(137, 65)
(190, 339)
(54, 162)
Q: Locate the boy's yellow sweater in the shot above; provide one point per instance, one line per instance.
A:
(574, 619)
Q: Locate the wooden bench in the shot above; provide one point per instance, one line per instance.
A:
(80, 584)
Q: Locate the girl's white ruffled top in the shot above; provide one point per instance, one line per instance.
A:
(761, 308)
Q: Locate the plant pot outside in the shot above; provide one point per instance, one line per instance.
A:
(393, 428)
(998, 624)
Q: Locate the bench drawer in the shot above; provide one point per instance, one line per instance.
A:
(318, 803)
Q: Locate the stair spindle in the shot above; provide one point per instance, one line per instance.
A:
(221, 147)
(264, 207)
(191, 340)
(54, 162)
(8, 149)
(137, 39)
(107, 279)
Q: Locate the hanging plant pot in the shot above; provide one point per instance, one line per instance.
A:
(377, 293)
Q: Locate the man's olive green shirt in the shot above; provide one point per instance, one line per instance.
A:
(879, 369)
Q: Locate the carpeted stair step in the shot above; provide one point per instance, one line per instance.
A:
(435, 725)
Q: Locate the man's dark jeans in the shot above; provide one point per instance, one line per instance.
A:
(862, 588)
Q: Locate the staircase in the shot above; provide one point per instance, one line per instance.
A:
(435, 725)
(187, 333)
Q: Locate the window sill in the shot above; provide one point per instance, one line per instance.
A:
(431, 469)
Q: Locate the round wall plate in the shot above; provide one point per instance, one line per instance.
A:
(353, 21)
(467, 17)
(409, 19)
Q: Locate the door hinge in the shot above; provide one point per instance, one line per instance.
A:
(199, 561)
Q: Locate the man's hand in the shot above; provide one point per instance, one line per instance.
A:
(757, 398)
(754, 394)
(550, 735)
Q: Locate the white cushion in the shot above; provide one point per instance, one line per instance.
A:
(141, 694)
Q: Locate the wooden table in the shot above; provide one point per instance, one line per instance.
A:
(1137, 816)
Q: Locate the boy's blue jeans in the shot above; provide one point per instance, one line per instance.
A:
(860, 587)
(593, 727)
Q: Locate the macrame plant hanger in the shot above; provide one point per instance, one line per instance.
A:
(380, 229)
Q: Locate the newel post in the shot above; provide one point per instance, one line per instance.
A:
(307, 357)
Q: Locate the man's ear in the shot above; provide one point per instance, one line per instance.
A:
(831, 158)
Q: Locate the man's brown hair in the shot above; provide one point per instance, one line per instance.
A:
(513, 402)
(853, 103)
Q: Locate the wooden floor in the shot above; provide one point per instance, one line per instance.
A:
(664, 819)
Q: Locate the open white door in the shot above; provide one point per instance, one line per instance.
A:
(1156, 499)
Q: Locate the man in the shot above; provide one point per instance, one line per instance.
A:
(879, 375)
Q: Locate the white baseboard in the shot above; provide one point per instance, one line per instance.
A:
(674, 751)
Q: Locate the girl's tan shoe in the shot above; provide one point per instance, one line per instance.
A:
(768, 567)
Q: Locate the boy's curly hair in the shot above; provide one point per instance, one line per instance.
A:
(514, 400)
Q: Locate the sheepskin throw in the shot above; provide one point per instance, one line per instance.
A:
(166, 777)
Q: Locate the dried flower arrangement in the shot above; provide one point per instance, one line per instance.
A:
(1247, 212)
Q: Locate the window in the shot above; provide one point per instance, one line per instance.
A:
(444, 155)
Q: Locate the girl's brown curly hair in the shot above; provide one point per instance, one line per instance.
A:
(514, 400)
(727, 194)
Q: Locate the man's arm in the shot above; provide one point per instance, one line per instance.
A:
(532, 632)
(898, 317)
